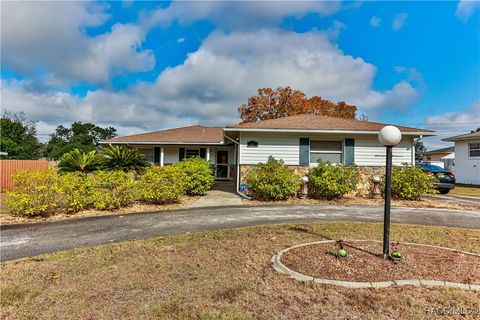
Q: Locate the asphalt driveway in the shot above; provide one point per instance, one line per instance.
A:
(18, 241)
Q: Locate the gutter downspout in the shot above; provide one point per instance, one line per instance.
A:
(237, 188)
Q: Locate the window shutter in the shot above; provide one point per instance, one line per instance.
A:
(156, 155)
(181, 154)
(203, 153)
(304, 151)
(349, 152)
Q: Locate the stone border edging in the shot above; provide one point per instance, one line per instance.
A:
(281, 268)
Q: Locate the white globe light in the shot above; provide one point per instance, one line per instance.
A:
(389, 136)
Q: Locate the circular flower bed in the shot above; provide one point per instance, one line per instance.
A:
(364, 263)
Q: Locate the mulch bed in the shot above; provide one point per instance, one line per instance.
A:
(365, 263)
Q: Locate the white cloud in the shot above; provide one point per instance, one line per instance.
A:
(399, 21)
(375, 21)
(50, 36)
(216, 79)
(466, 8)
(238, 15)
(454, 123)
(181, 40)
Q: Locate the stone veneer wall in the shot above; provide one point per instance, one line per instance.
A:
(364, 186)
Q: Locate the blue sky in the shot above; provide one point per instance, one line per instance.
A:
(142, 66)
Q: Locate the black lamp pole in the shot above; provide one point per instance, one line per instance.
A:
(388, 195)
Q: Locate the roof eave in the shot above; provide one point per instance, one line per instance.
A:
(164, 143)
(411, 133)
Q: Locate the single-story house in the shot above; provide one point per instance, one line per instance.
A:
(436, 156)
(467, 157)
(300, 141)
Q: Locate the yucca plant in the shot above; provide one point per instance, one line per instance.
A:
(77, 160)
(123, 158)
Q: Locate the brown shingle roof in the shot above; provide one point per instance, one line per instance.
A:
(316, 122)
(192, 134)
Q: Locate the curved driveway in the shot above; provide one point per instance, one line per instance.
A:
(19, 241)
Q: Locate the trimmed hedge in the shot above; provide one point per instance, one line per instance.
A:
(163, 185)
(333, 181)
(113, 190)
(272, 180)
(36, 193)
(199, 173)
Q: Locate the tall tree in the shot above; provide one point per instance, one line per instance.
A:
(82, 136)
(284, 101)
(18, 137)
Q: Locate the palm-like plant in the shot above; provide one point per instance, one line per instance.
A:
(124, 158)
(77, 160)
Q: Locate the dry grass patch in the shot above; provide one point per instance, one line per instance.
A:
(466, 190)
(217, 275)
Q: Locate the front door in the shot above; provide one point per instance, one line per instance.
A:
(222, 165)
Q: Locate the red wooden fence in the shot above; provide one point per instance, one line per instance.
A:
(8, 168)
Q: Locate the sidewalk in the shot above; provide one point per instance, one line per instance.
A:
(222, 194)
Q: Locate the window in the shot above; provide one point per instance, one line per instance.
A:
(148, 153)
(326, 151)
(429, 158)
(474, 149)
(190, 153)
(252, 144)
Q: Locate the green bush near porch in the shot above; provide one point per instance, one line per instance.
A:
(163, 185)
(333, 181)
(199, 173)
(272, 180)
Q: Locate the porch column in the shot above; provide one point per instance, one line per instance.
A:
(162, 156)
(208, 154)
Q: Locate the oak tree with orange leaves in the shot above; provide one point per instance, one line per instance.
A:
(284, 101)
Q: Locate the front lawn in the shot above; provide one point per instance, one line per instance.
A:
(220, 274)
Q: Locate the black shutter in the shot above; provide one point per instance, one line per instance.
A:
(181, 154)
(156, 155)
(349, 152)
(203, 153)
(304, 151)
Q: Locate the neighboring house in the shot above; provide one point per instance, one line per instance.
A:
(467, 157)
(436, 156)
(298, 140)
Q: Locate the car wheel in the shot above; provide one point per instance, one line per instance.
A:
(444, 191)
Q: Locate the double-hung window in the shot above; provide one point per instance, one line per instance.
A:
(326, 151)
(474, 149)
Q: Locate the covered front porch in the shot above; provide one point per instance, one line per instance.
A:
(222, 157)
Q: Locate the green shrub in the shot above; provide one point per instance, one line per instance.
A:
(162, 185)
(78, 190)
(123, 158)
(113, 190)
(333, 181)
(199, 173)
(77, 160)
(272, 180)
(410, 183)
(36, 193)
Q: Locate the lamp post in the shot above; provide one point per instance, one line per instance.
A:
(389, 136)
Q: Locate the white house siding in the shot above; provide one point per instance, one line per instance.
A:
(171, 152)
(367, 152)
(467, 169)
(370, 153)
(280, 146)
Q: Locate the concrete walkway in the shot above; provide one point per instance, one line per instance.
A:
(222, 194)
(27, 240)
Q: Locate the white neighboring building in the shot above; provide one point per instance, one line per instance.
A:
(467, 157)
